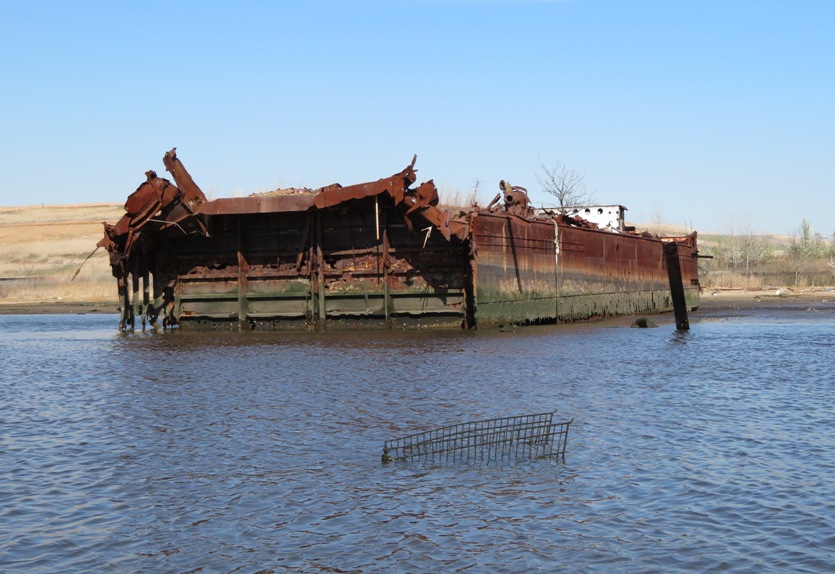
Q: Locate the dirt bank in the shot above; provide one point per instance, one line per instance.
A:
(742, 299)
(711, 300)
(42, 247)
(57, 308)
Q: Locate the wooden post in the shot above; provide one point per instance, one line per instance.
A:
(320, 270)
(146, 303)
(124, 295)
(136, 308)
(243, 280)
(676, 285)
(385, 264)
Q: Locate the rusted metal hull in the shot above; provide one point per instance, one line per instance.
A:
(376, 255)
(516, 275)
(539, 272)
(603, 273)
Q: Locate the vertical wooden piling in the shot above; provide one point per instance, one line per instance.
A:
(146, 303)
(320, 271)
(136, 308)
(243, 279)
(676, 285)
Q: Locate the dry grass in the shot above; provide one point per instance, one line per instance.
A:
(660, 228)
(730, 280)
(456, 199)
(78, 213)
(42, 246)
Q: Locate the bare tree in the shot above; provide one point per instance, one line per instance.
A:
(831, 261)
(475, 188)
(565, 184)
(753, 249)
(805, 247)
(658, 221)
(741, 249)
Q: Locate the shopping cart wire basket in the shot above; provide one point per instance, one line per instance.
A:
(502, 439)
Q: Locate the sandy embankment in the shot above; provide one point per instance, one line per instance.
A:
(42, 246)
(740, 298)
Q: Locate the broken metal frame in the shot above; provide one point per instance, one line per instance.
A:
(491, 440)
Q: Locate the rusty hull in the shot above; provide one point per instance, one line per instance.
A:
(560, 269)
(603, 273)
(379, 254)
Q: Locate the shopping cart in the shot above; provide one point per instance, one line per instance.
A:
(502, 439)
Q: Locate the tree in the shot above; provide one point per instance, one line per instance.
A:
(752, 248)
(565, 184)
(740, 251)
(831, 261)
(475, 188)
(805, 247)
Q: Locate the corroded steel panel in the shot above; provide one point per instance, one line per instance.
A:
(250, 205)
(334, 267)
(515, 276)
(521, 276)
(603, 273)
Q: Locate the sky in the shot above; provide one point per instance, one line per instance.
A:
(718, 115)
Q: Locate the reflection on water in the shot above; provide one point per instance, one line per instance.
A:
(243, 452)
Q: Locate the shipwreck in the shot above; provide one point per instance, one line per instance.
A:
(382, 254)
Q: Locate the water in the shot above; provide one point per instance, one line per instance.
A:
(710, 450)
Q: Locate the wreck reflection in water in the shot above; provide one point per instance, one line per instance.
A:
(261, 451)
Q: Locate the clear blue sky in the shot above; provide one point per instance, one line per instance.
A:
(704, 112)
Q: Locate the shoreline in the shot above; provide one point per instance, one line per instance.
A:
(57, 308)
(711, 299)
(792, 297)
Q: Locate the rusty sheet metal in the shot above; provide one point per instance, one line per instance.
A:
(602, 274)
(421, 203)
(193, 195)
(323, 269)
(153, 212)
(515, 278)
(249, 205)
(566, 269)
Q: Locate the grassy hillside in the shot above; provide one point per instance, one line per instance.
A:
(42, 246)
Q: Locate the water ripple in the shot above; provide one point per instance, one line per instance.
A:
(178, 452)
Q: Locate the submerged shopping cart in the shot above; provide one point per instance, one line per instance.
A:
(503, 439)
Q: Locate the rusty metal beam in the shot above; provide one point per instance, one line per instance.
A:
(193, 194)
